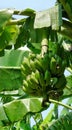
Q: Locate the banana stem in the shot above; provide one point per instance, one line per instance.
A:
(44, 43)
(44, 47)
(60, 103)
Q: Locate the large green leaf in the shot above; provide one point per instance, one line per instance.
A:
(17, 109)
(13, 31)
(4, 39)
(5, 16)
(10, 79)
(30, 36)
(2, 114)
(8, 36)
(22, 37)
(67, 7)
(10, 73)
(27, 12)
(13, 58)
(63, 123)
(51, 17)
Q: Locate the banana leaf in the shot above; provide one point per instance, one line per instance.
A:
(8, 36)
(13, 58)
(67, 7)
(10, 73)
(5, 16)
(26, 12)
(51, 17)
(64, 123)
(17, 109)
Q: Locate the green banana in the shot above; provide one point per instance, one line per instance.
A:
(34, 82)
(34, 77)
(61, 83)
(38, 56)
(26, 64)
(25, 86)
(32, 56)
(40, 77)
(28, 79)
(24, 70)
(37, 75)
(46, 62)
(26, 60)
(43, 61)
(38, 65)
(64, 65)
(25, 90)
(55, 49)
(32, 65)
(47, 77)
(41, 80)
(23, 75)
(61, 65)
(53, 65)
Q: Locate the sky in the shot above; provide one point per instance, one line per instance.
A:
(37, 5)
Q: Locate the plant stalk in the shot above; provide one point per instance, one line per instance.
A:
(44, 43)
(60, 103)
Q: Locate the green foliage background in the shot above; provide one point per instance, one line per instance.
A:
(17, 107)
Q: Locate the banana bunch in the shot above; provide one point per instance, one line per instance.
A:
(36, 74)
(43, 75)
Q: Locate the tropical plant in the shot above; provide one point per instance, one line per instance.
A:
(38, 78)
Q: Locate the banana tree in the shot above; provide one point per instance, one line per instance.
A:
(39, 76)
